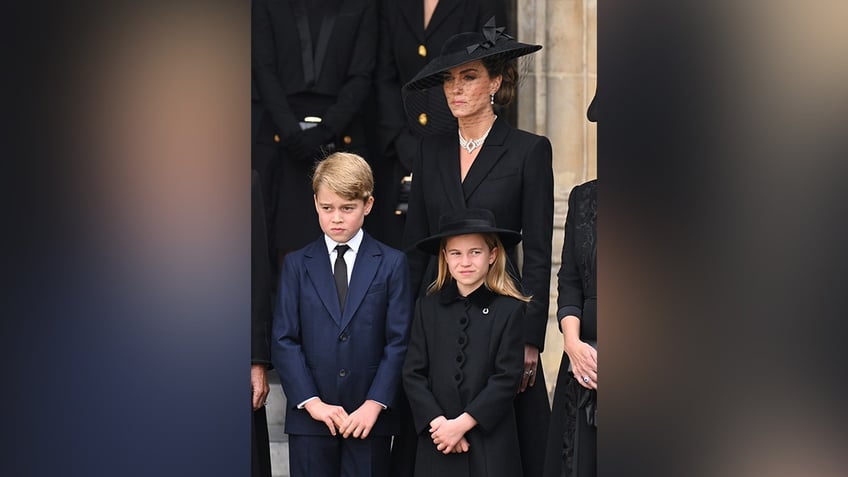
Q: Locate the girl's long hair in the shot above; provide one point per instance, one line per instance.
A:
(497, 279)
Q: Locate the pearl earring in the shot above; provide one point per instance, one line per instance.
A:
(491, 99)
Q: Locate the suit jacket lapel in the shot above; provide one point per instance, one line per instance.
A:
(413, 13)
(448, 157)
(318, 269)
(367, 262)
(443, 10)
(489, 155)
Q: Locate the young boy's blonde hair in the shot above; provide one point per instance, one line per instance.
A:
(497, 279)
(346, 174)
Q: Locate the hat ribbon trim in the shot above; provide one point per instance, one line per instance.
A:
(492, 34)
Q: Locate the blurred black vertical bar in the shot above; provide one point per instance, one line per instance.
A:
(721, 156)
(126, 284)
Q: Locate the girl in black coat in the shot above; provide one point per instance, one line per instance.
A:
(489, 164)
(464, 361)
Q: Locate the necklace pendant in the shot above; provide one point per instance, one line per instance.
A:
(471, 144)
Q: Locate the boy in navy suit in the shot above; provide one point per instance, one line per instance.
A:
(340, 331)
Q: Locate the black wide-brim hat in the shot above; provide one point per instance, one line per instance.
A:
(465, 47)
(467, 221)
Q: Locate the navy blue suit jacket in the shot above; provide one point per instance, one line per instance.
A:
(343, 358)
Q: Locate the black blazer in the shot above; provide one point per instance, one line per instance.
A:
(402, 36)
(513, 177)
(344, 79)
(577, 290)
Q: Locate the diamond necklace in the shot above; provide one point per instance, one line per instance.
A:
(472, 144)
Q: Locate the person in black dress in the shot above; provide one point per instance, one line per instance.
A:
(572, 443)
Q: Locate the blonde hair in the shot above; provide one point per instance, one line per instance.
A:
(346, 174)
(497, 279)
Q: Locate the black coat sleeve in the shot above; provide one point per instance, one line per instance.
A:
(569, 282)
(265, 66)
(416, 371)
(357, 85)
(392, 120)
(260, 303)
(537, 228)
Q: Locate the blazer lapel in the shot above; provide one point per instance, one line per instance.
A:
(443, 10)
(413, 13)
(486, 159)
(448, 158)
(317, 264)
(367, 263)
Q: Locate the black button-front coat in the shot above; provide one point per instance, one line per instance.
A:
(466, 354)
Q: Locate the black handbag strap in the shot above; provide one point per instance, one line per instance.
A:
(313, 59)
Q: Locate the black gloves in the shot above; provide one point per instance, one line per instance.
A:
(306, 146)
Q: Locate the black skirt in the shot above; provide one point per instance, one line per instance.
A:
(572, 440)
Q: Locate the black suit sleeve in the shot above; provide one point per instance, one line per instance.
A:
(357, 86)
(537, 228)
(265, 72)
(260, 304)
(392, 120)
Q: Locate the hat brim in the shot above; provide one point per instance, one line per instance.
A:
(431, 74)
(432, 244)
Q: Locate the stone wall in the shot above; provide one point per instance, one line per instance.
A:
(553, 98)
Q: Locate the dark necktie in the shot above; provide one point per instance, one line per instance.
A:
(340, 273)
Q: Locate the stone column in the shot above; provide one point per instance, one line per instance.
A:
(552, 101)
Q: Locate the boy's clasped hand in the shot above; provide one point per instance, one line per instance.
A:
(357, 424)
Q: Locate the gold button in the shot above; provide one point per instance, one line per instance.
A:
(347, 140)
(422, 119)
(422, 51)
(276, 138)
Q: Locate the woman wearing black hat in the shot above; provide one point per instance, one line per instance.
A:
(463, 365)
(412, 32)
(489, 164)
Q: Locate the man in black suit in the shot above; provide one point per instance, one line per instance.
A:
(313, 62)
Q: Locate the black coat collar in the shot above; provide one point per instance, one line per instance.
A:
(482, 297)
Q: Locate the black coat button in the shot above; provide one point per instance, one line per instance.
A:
(343, 373)
(343, 337)
(457, 377)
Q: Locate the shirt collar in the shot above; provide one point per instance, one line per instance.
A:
(481, 297)
(353, 243)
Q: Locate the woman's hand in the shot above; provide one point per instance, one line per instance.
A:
(583, 358)
(531, 362)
